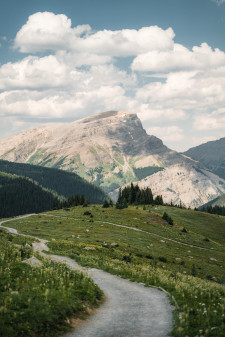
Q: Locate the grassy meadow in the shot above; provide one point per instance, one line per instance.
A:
(38, 301)
(186, 259)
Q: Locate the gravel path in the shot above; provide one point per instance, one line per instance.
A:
(130, 309)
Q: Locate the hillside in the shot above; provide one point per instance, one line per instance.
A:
(211, 155)
(63, 183)
(186, 259)
(20, 195)
(112, 149)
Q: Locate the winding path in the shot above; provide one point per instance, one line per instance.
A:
(130, 309)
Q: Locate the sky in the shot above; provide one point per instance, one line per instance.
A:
(62, 60)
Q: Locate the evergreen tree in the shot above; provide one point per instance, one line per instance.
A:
(105, 204)
(158, 200)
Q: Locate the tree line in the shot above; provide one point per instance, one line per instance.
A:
(134, 195)
(220, 210)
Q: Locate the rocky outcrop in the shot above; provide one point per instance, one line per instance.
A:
(185, 183)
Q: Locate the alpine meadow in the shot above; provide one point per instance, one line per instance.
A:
(112, 168)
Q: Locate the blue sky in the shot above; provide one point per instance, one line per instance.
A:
(163, 59)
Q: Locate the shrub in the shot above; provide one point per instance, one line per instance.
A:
(127, 258)
(88, 213)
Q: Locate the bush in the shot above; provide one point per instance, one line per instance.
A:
(88, 213)
(127, 258)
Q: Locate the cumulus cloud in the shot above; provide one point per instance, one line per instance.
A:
(47, 31)
(160, 113)
(168, 133)
(34, 73)
(164, 82)
(212, 121)
(179, 59)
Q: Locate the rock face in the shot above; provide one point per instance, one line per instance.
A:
(112, 149)
(189, 184)
(211, 155)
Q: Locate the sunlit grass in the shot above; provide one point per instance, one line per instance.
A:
(38, 301)
(183, 263)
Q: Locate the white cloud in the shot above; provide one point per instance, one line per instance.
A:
(157, 112)
(52, 72)
(213, 121)
(164, 82)
(34, 73)
(179, 59)
(47, 31)
(218, 2)
(167, 134)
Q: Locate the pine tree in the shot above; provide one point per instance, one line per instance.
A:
(105, 204)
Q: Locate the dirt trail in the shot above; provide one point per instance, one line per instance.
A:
(130, 309)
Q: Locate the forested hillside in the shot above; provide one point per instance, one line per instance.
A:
(20, 195)
(62, 182)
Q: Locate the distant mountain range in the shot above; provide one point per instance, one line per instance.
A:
(211, 155)
(112, 149)
(219, 201)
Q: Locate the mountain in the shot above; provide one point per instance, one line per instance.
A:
(190, 184)
(60, 182)
(219, 201)
(211, 155)
(112, 149)
(109, 149)
(20, 195)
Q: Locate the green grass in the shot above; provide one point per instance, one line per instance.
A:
(185, 264)
(38, 301)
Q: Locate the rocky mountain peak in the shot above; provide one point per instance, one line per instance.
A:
(112, 149)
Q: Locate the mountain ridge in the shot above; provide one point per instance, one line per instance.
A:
(111, 149)
(211, 155)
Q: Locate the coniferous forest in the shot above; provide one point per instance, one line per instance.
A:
(220, 210)
(62, 182)
(134, 195)
(20, 195)
(28, 188)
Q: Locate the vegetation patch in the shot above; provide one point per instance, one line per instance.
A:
(144, 172)
(39, 301)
